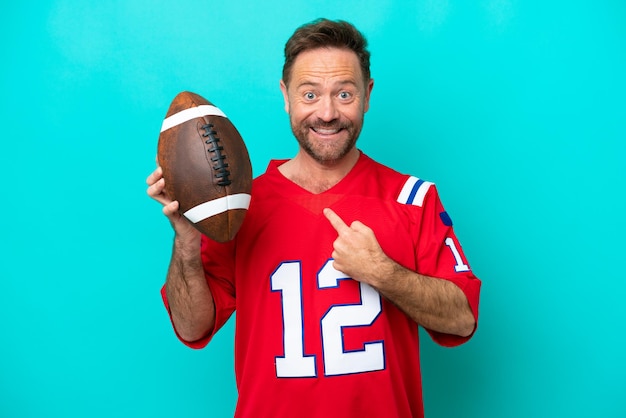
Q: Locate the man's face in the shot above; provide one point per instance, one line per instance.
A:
(326, 100)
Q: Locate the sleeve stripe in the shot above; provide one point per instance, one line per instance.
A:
(414, 191)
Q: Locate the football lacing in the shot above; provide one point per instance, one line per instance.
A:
(215, 151)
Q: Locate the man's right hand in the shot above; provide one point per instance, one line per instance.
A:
(156, 189)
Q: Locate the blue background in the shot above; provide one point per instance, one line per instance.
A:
(516, 109)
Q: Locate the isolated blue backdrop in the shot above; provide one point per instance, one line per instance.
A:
(516, 109)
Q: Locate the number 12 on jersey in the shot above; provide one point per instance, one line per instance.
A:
(287, 279)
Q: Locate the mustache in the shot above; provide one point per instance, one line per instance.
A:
(334, 124)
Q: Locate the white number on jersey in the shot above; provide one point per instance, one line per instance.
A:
(287, 279)
(460, 265)
(294, 363)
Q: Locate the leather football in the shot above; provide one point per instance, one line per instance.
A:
(205, 165)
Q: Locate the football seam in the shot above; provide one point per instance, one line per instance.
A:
(220, 166)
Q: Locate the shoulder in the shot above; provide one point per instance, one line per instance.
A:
(414, 191)
(404, 188)
(271, 173)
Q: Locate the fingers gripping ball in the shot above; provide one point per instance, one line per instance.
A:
(205, 165)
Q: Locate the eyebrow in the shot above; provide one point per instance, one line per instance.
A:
(316, 84)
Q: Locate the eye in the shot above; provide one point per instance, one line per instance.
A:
(309, 95)
(344, 95)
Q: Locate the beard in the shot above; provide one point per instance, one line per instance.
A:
(331, 151)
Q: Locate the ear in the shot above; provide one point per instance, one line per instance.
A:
(283, 89)
(368, 92)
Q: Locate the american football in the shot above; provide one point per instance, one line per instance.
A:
(205, 165)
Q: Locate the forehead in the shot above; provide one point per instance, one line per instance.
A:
(326, 64)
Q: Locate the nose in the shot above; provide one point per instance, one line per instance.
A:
(327, 109)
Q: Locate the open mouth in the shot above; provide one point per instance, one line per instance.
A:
(326, 131)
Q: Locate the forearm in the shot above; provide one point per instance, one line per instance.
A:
(436, 304)
(188, 294)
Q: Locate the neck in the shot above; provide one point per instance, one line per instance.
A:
(317, 177)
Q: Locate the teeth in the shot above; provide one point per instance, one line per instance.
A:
(326, 131)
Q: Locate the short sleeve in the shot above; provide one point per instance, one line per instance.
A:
(440, 255)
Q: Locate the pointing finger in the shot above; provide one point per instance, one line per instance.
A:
(335, 220)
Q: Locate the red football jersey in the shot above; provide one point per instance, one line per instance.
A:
(309, 341)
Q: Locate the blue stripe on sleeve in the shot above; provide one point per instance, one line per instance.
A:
(416, 187)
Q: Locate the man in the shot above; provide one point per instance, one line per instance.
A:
(337, 262)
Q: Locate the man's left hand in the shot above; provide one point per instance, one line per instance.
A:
(356, 251)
